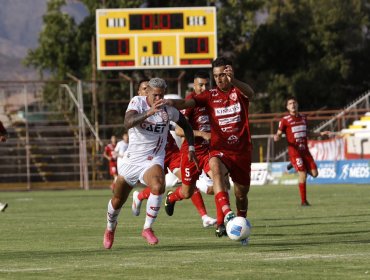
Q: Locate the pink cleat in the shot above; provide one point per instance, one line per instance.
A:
(148, 234)
(109, 238)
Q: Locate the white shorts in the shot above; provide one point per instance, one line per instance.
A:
(134, 173)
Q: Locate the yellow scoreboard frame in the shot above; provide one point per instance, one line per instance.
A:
(153, 38)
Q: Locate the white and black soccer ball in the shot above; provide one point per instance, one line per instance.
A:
(238, 228)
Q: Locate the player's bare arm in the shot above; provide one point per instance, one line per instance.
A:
(133, 118)
(197, 133)
(243, 87)
(189, 136)
(324, 134)
(277, 136)
(180, 103)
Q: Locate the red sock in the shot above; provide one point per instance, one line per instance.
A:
(176, 195)
(302, 191)
(222, 205)
(198, 202)
(220, 215)
(144, 194)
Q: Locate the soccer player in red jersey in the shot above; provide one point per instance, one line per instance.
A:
(199, 120)
(230, 145)
(110, 156)
(294, 125)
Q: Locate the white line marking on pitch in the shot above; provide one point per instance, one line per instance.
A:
(25, 269)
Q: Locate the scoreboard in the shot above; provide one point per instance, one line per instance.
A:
(151, 38)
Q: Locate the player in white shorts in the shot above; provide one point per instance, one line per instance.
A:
(121, 148)
(147, 120)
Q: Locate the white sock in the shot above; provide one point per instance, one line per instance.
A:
(112, 216)
(152, 208)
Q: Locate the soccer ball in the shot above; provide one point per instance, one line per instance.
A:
(238, 228)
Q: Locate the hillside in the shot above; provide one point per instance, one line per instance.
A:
(20, 24)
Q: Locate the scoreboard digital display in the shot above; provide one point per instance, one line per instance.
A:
(152, 38)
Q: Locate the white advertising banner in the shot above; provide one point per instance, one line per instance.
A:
(259, 174)
(331, 149)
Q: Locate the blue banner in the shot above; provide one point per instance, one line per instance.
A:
(342, 172)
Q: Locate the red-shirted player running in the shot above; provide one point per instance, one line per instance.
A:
(110, 156)
(230, 146)
(199, 121)
(294, 125)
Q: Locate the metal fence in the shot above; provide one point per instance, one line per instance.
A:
(60, 141)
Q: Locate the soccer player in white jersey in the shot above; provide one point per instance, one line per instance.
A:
(147, 120)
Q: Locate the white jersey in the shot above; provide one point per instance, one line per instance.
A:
(148, 139)
(120, 149)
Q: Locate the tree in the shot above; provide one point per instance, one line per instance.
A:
(306, 48)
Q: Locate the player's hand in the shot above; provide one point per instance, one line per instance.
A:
(276, 137)
(325, 134)
(156, 106)
(229, 73)
(193, 158)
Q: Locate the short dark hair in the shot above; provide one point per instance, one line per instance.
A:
(290, 98)
(201, 74)
(142, 81)
(221, 61)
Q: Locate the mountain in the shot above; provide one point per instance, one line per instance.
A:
(20, 24)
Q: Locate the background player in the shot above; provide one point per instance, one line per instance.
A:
(120, 149)
(142, 87)
(230, 146)
(294, 125)
(109, 155)
(199, 120)
(148, 119)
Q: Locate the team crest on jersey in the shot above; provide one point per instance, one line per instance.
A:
(233, 96)
(232, 139)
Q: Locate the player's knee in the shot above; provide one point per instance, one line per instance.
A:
(314, 173)
(157, 189)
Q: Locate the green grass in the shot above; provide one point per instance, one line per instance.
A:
(58, 235)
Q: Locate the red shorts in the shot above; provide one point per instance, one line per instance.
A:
(189, 172)
(238, 165)
(303, 162)
(172, 161)
(113, 168)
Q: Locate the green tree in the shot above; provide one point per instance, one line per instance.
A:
(307, 49)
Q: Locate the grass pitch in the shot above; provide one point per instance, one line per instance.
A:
(58, 235)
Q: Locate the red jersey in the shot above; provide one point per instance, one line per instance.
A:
(198, 120)
(109, 149)
(295, 129)
(228, 118)
(171, 146)
(172, 159)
